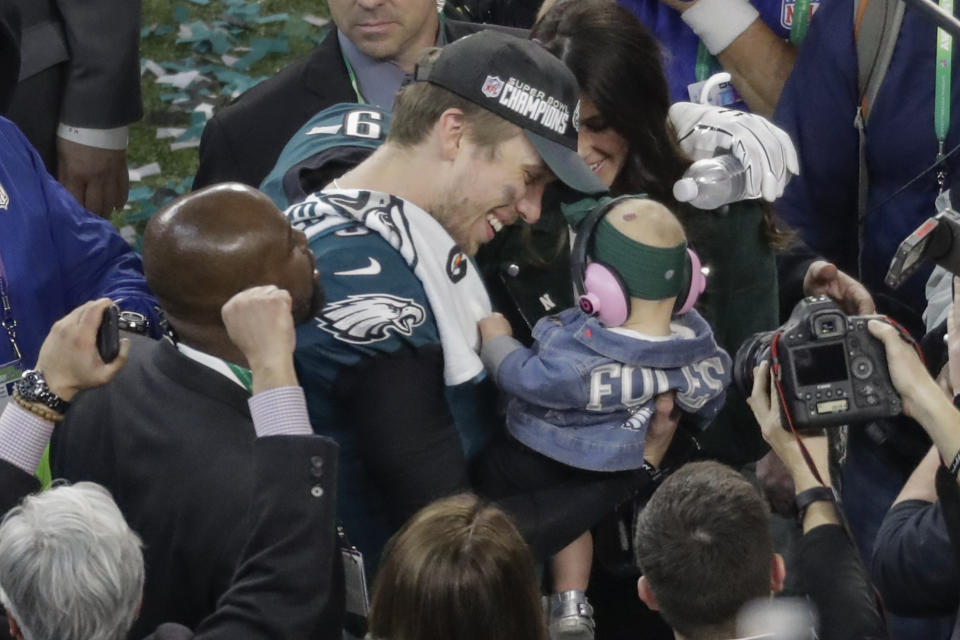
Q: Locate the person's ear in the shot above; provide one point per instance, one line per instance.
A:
(778, 573)
(449, 129)
(646, 595)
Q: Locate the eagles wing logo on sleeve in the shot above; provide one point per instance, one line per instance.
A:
(4, 198)
(389, 220)
(371, 317)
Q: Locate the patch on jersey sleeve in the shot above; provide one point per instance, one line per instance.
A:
(370, 317)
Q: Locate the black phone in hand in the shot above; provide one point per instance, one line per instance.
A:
(108, 335)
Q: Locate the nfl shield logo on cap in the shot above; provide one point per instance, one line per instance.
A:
(492, 87)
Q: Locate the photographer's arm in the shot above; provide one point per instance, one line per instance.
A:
(766, 408)
(911, 557)
(923, 400)
(828, 567)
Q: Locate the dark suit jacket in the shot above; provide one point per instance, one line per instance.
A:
(79, 64)
(285, 579)
(173, 441)
(99, 41)
(243, 141)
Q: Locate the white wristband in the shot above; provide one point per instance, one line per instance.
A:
(719, 22)
(114, 139)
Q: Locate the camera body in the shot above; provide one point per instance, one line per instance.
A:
(936, 240)
(832, 371)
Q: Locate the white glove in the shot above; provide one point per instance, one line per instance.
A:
(766, 152)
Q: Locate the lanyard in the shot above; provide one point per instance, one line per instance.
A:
(941, 94)
(353, 77)
(244, 375)
(707, 64)
(7, 321)
(800, 22)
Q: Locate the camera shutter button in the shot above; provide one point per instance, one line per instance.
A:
(862, 367)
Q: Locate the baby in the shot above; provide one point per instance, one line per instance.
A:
(581, 399)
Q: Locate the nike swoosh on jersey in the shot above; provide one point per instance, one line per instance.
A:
(370, 270)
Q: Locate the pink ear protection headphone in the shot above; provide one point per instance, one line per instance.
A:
(599, 288)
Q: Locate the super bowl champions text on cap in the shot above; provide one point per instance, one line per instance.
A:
(529, 102)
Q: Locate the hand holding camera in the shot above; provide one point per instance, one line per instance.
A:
(824, 278)
(765, 405)
(829, 368)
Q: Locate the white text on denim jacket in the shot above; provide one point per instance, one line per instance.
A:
(624, 385)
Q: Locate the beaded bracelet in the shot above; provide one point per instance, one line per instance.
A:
(39, 410)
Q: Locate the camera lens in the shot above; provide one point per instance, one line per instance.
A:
(751, 353)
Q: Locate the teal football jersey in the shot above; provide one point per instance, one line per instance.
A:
(327, 146)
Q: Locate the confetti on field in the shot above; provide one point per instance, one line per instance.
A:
(218, 43)
(147, 170)
(170, 132)
(316, 21)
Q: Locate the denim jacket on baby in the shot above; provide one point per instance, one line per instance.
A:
(584, 395)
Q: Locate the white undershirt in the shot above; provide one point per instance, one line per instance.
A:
(677, 331)
(213, 362)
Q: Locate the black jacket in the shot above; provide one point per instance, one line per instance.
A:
(829, 572)
(174, 443)
(243, 141)
(285, 571)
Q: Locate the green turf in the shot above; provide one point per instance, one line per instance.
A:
(179, 166)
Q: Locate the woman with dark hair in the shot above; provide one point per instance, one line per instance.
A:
(624, 131)
(627, 139)
(457, 569)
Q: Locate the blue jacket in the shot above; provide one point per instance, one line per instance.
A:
(817, 108)
(680, 43)
(56, 255)
(584, 395)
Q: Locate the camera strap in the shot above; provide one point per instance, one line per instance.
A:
(776, 373)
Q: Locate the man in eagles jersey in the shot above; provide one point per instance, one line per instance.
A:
(390, 365)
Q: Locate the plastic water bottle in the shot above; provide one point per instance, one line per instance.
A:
(712, 182)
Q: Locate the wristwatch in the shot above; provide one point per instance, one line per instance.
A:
(134, 322)
(815, 494)
(32, 387)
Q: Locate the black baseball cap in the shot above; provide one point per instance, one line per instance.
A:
(523, 83)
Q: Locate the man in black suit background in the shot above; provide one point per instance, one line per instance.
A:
(79, 88)
(363, 57)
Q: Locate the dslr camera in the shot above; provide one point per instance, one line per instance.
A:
(936, 240)
(832, 371)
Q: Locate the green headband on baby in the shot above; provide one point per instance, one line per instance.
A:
(649, 273)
